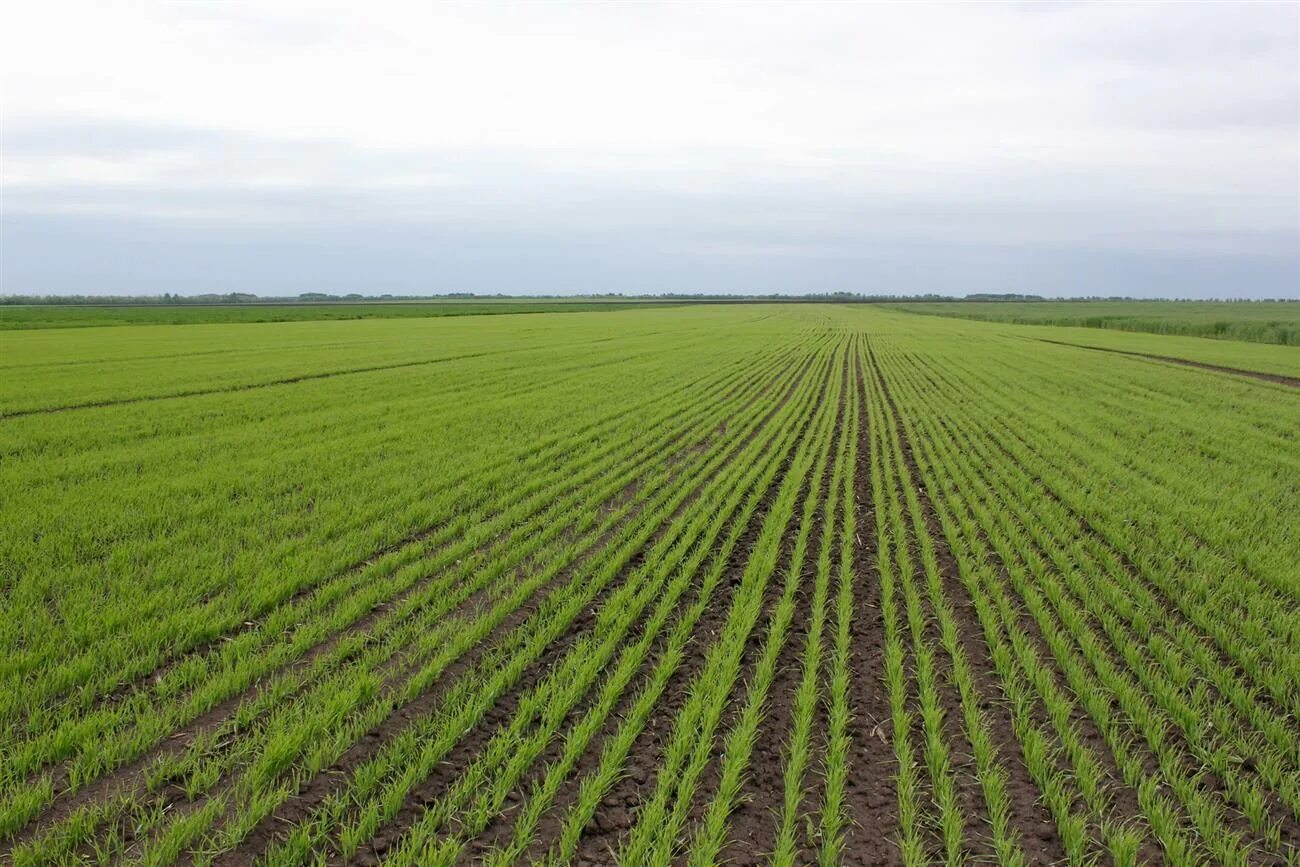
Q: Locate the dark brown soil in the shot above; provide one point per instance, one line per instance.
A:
(870, 791)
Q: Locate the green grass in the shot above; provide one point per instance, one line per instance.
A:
(1251, 321)
(598, 586)
(25, 316)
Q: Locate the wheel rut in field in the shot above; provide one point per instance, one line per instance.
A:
(1281, 379)
(252, 386)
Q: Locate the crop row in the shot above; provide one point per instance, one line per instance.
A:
(827, 585)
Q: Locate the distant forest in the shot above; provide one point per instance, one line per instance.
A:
(168, 298)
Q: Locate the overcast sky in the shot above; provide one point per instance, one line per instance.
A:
(277, 148)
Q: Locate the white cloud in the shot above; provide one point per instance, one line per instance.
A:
(1134, 126)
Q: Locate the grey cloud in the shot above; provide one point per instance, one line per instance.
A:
(1167, 165)
(71, 253)
(75, 136)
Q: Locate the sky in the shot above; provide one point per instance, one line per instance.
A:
(1144, 149)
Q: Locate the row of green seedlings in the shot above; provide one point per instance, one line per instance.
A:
(835, 820)
(1204, 823)
(381, 787)
(1188, 658)
(614, 755)
(480, 793)
(68, 683)
(1180, 707)
(1255, 640)
(1064, 770)
(414, 603)
(1190, 494)
(908, 783)
(616, 751)
(220, 617)
(81, 720)
(1068, 620)
(344, 739)
(656, 834)
(712, 834)
(811, 700)
(929, 608)
(991, 773)
(321, 664)
(1229, 713)
(498, 485)
(351, 608)
(1251, 431)
(1235, 633)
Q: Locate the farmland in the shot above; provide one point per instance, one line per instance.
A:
(23, 316)
(1254, 321)
(743, 584)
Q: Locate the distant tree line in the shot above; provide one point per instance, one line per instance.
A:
(169, 298)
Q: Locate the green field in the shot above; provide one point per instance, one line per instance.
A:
(703, 584)
(1255, 321)
(23, 316)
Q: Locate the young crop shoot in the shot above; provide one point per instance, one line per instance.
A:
(787, 584)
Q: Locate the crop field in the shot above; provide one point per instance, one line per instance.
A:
(784, 584)
(22, 316)
(1254, 321)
